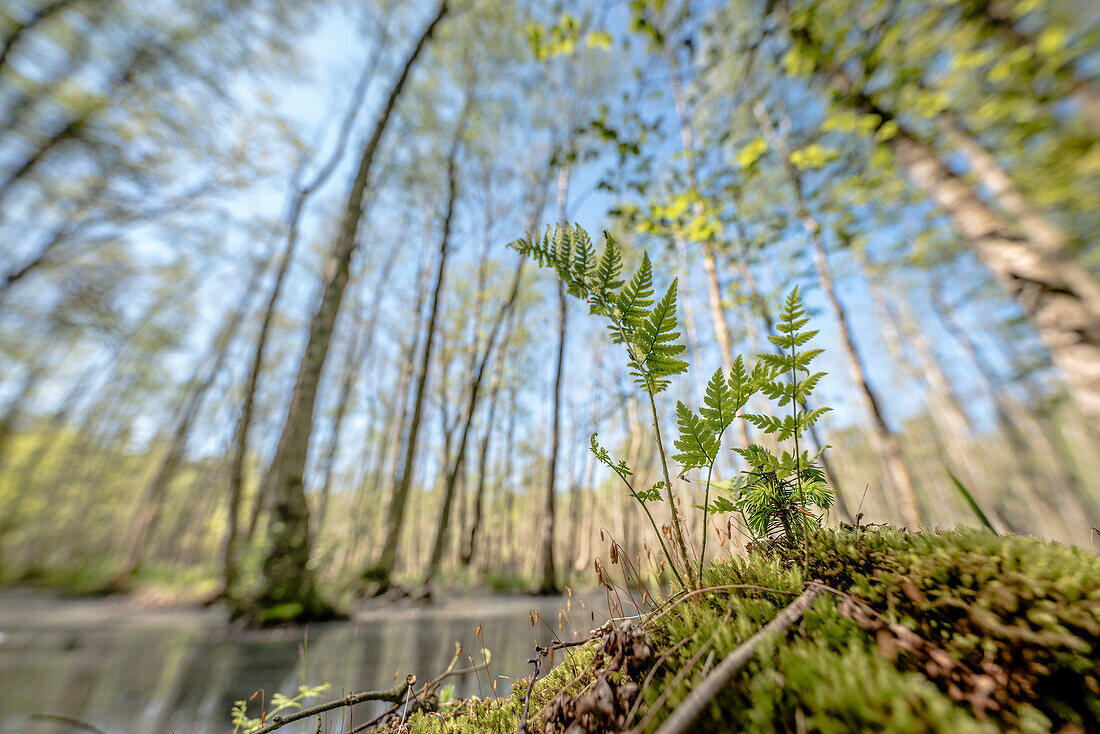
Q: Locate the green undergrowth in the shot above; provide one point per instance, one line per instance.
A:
(963, 631)
(100, 577)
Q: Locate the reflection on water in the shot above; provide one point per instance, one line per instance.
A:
(160, 671)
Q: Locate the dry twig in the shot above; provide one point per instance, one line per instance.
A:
(688, 711)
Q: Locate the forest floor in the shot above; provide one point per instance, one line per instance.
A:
(959, 631)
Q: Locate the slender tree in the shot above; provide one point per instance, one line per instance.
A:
(302, 192)
(1060, 298)
(288, 588)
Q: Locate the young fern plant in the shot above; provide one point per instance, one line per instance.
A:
(776, 495)
(646, 328)
(781, 490)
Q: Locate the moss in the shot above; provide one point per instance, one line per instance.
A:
(1013, 624)
(470, 716)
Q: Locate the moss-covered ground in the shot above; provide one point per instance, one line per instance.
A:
(959, 631)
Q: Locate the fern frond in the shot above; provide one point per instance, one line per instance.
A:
(610, 266)
(633, 302)
(698, 442)
(720, 403)
(655, 346)
(540, 248)
(583, 257)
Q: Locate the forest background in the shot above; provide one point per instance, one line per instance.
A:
(261, 333)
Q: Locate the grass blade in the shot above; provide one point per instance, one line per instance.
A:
(971, 501)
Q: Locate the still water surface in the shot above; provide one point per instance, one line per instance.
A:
(156, 671)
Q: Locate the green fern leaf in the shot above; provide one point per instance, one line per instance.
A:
(698, 442)
(654, 344)
(720, 403)
(632, 304)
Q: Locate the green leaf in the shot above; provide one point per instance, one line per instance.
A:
(751, 153)
(632, 305)
(698, 441)
(654, 344)
(971, 501)
(653, 494)
(609, 268)
(720, 406)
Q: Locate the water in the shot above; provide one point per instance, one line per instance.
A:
(155, 671)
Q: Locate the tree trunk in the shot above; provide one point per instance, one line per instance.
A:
(358, 350)
(471, 407)
(469, 544)
(288, 590)
(369, 494)
(1057, 294)
(382, 571)
(548, 576)
(714, 287)
(955, 430)
(887, 442)
(244, 421)
(1024, 450)
(1049, 291)
(582, 525)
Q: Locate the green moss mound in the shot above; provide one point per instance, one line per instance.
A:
(960, 631)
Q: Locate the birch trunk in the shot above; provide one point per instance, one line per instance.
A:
(289, 588)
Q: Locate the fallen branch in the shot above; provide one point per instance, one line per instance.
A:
(429, 688)
(537, 662)
(688, 711)
(392, 695)
(684, 671)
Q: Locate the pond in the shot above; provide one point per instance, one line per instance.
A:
(125, 668)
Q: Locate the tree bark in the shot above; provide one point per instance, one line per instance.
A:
(718, 319)
(548, 576)
(1057, 294)
(382, 571)
(358, 350)
(302, 194)
(289, 589)
(471, 407)
(1024, 452)
(469, 543)
(1050, 292)
(369, 494)
(243, 426)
